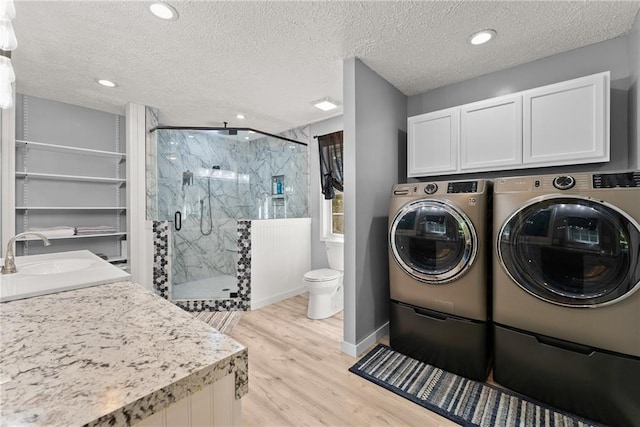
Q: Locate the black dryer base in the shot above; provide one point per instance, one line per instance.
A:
(449, 342)
(598, 385)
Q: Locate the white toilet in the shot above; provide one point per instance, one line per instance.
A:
(326, 293)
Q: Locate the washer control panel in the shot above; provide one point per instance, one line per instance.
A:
(462, 187)
(564, 182)
(616, 180)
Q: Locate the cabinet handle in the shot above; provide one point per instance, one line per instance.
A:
(554, 342)
(177, 220)
(430, 314)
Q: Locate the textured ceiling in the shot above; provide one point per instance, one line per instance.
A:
(270, 59)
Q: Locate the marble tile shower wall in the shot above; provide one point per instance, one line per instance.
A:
(269, 157)
(214, 181)
(151, 163)
(197, 256)
(245, 173)
(198, 154)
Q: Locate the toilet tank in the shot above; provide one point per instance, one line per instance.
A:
(335, 254)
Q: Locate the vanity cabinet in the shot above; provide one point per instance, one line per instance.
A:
(560, 124)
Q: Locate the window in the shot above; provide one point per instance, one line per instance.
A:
(337, 214)
(333, 217)
(331, 177)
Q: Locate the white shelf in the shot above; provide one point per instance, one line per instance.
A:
(82, 236)
(55, 147)
(69, 208)
(70, 177)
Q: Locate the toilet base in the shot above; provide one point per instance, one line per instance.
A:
(322, 306)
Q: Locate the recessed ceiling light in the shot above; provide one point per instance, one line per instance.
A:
(482, 37)
(164, 11)
(325, 104)
(240, 116)
(106, 83)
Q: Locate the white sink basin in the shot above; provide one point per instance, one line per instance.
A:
(55, 266)
(52, 273)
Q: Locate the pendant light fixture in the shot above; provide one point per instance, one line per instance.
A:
(8, 43)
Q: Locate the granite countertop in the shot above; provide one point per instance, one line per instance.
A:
(106, 355)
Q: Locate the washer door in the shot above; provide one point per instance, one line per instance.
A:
(432, 241)
(572, 251)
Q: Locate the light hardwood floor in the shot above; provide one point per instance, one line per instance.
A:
(299, 377)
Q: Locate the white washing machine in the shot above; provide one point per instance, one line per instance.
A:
(566, 299)
(438, 246)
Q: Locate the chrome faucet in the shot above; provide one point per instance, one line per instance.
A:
(9, 266)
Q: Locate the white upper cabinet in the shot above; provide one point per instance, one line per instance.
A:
(491, 134)
(433, 143)
(560, 124)
(568, 122)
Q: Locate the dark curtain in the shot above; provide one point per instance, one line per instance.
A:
(331, 175)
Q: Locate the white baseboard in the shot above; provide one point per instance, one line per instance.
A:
(357, 349)
(276, 298)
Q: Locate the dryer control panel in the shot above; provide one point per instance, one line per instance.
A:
(616, 180)
(462, 187)
(439, 188)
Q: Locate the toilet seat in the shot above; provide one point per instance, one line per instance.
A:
(321, 275)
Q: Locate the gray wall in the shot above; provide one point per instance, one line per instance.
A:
(634, 101)
(611, 55)
(318, 253)
(375, 118)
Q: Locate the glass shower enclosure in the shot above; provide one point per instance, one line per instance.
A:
(209, 178)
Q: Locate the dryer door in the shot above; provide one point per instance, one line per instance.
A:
(432, 241)
(572, 251)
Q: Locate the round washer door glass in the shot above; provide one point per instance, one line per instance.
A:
(572, 251)
(432, 241)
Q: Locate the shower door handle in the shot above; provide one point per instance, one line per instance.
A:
(177, 220)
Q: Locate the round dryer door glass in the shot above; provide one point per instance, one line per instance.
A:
(432, 241)
(572, 251)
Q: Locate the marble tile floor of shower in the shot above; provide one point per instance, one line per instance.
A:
(216, 287)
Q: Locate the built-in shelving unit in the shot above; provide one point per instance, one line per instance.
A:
(59, 177)
(63, 148)
(69, 171)
(72, 208)
(77, 236)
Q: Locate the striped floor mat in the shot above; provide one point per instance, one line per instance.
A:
(223, 321)
(464, 401)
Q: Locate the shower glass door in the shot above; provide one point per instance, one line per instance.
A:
(207, 180)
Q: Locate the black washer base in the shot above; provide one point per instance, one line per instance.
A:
(449, 342)
(592, 383)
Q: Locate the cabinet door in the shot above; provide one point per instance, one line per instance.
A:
(433, 143)
(568, 122)
(491, 134)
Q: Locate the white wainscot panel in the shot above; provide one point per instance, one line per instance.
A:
(280, 256)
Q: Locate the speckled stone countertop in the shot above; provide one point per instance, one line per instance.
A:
(106, 355)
